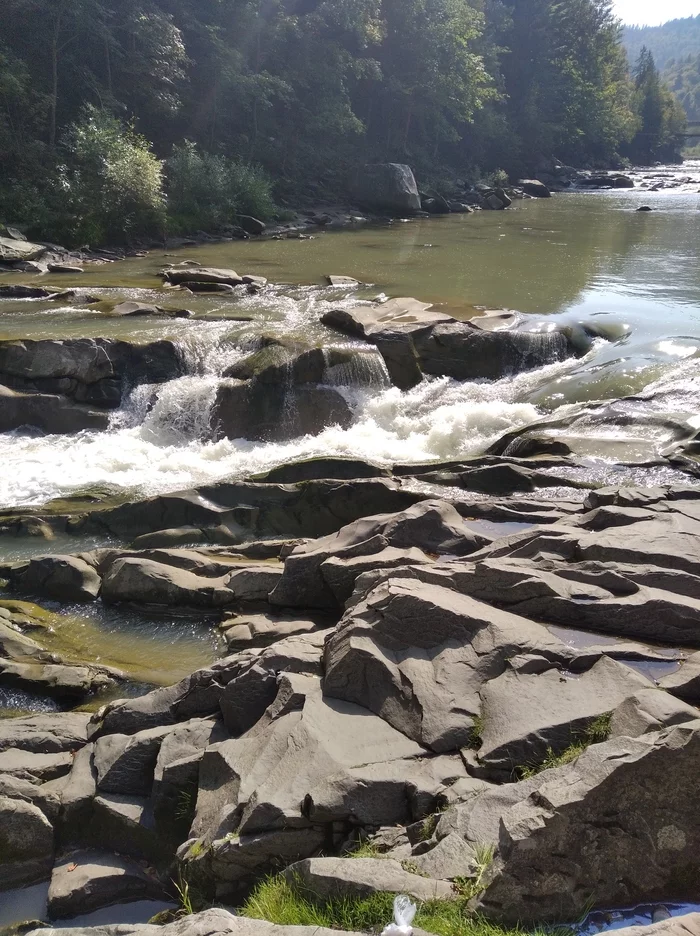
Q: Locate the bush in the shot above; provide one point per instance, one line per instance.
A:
(110, 188)
(206, 191)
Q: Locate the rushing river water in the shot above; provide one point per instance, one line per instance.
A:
(575, 257)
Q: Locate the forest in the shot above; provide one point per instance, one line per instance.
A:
(129, 118)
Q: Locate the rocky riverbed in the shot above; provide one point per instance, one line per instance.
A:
(473, 680)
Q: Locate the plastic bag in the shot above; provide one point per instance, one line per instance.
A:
(404, 912)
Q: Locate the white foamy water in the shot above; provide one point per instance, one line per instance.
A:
(158, 441)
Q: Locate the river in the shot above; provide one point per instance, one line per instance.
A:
(575, 257)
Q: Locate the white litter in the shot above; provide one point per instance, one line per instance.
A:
(404, 912)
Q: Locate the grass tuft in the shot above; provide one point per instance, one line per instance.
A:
(596, 733)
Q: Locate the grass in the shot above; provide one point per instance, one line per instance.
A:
(596, 733)
(365, 849)
(276, 901)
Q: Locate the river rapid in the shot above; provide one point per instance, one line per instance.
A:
(578, 257)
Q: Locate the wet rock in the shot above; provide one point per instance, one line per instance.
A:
(387, 187)
(26, 843)
(263, 413)
(64, 578)
(534, 187)
(64, 268)
(54, 415)
(87, 370)
(418, 655)
(87, 880)
(313, 469)
(203, 275)
(24, 292)
(645, 208)
(435, 525)
(342, 281)
(415, 339)
(69, 684)
(324, 879)
(128, 309)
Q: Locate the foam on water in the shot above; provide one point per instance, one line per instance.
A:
(159, 440)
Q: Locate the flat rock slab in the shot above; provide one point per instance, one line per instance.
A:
(208, 923)
(26, 843)
(85, 881)
(44, 734)
(366, 320)
(204, 275)
(324, 879)
(11, 250)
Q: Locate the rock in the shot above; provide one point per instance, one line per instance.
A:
(36, 767)
(64, 578)
(685, 684)
(69, 684)
(534, 187)
(64, 268)
(26, 844)
(54, 415)
(207, 923)
(203, 275)
(277, 792)
(88, 880)
(261, 630)
(306, 582)
(44, 734)
(313, 469)
(555, 848)
(125, 763)
(88, 370)
(451, 858)
(13, 249)
(250, 225)
(415, 339)
(435, 204)
(346, 281)
(324, 879)
(128, 309)
(263, 413)
(685, 925)
(418, 655)
(150, 582)
(649, 710)
(527, 714)
(251, 279)
(367, 320)
(387, 187)
(24, 292)
(645, 208)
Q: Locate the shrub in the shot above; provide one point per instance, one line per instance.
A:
(206, 191)
(110, 188)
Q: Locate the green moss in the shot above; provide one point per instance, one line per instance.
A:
(276, 901)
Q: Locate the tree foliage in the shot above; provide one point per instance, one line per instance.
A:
(224, 91)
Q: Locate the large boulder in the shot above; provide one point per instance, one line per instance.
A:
(89, 370)
(44, 734)
(324, 879)
(13, 250)
(52, 414)
(416, 339)
(259, 412)
(535, 188)
(619, 824)
(387, 187)
(419, 655)
(180, 277)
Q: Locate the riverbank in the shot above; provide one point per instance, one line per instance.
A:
(465, 543)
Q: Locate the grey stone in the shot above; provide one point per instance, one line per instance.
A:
(45, 734)
(203, 275)
(126, 763)
(26, 843)
(65, 578)
(387, 187)
(649, 710)
(525, 715)
(51, 413)
(418, 655)
(534, 187)
(88, 880)
(38, 767)
(685, 684)
(324, 879)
